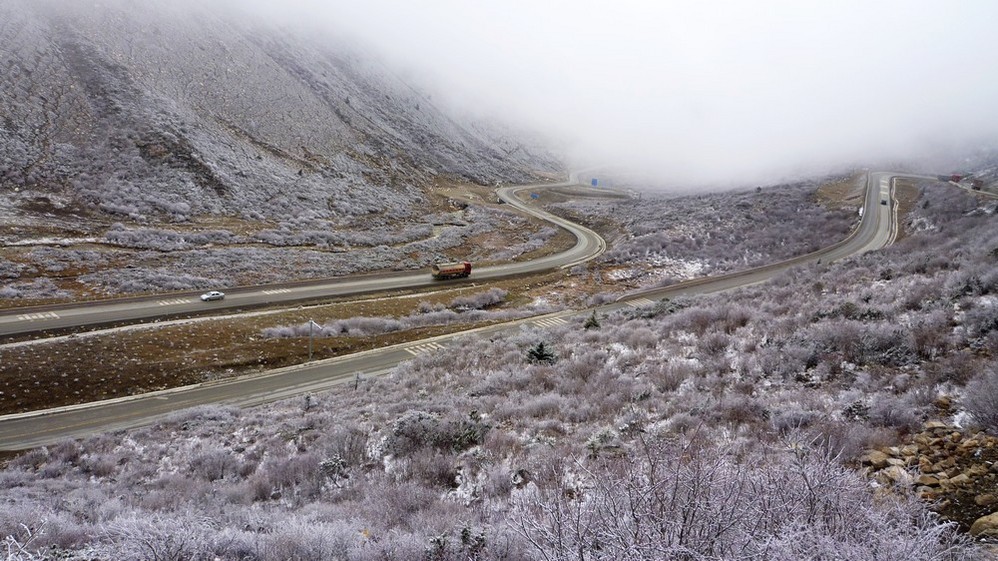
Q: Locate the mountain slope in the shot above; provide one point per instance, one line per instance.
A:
(166, 112)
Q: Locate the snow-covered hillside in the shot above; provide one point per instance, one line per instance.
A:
(165, 111)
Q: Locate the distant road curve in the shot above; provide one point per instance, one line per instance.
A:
(19, 321)
(28, 430)
(877, 229)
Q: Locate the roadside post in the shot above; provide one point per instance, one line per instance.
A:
(310, 324)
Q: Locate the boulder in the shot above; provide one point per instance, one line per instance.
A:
(944, 403)
(875, 458)
(961, 479)
(985, 526)
(896, 475)
(927, 480)
(977, 470)
(970, 444)
(927, 493)
(986, 499)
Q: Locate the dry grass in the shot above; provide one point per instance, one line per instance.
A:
(846, 193)
(907, 196)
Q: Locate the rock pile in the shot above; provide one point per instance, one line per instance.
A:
(955, 470)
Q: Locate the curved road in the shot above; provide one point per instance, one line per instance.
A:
(21, 321)
(877, 229)
(22, 431)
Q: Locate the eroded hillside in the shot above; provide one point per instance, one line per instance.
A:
(171, 112)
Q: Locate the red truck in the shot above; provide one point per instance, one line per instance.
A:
(443, 271)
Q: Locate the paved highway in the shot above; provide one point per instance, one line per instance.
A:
(36, 319)
(22, 431)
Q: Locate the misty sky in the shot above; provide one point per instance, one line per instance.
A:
(704, 91)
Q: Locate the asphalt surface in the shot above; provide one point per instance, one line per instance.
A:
(23, 431)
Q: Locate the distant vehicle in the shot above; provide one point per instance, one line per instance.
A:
(976, 184)
(443, 271)
(213, 295)
(883, 201)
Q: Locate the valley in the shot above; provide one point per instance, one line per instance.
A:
(709, 282)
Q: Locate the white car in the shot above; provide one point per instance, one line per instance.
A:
(213, 295)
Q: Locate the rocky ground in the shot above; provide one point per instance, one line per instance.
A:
(953, 469)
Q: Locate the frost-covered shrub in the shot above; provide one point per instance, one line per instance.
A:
(478, 301)
(360, 326)
(425, 316)
(804, 505)
(10, 270)
(894, 412)
(159, 537)
(212, 465)
(167, 240)
(9, 292)
(303, 539)
(982, 319)
(37, 288)
(147, 280)
(792, 418)
(981, 399)
(418, 430)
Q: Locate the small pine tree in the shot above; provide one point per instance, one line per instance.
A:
(540, 354)
(592, 322)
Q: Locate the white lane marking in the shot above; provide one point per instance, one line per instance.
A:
(639, 303)
(424, 348)
(33, 317)
(277, 291)
(173, 302)
(549, 322)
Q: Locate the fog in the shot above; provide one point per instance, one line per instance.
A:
(701, 92)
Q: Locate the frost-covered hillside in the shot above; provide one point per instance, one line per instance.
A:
(739, 426)
(164, 111)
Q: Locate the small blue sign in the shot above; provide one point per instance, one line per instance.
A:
(534, 196)
(595, 182)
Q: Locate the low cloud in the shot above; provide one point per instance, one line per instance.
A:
(701, 92)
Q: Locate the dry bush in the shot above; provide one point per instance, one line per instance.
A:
(981, 399)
